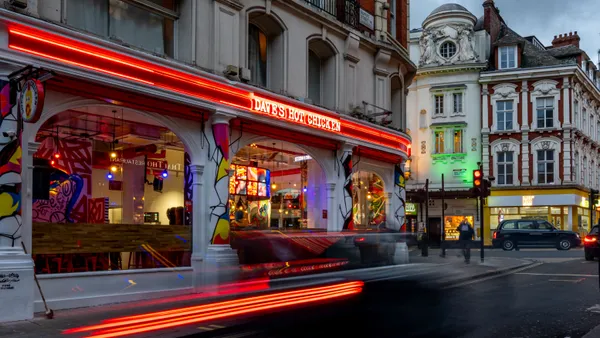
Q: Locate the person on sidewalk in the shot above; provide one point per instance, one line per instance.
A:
(465, 238)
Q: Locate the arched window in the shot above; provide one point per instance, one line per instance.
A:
(448, 49)
(266, 52)
(322, 73)
(397, 95)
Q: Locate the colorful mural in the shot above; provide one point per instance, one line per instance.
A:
(10, 172)
(346, 207)
(399, 196)
(188, 186)
(75, 160)
(219, 208)
(65, 192)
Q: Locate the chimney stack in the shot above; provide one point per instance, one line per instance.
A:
(566, 40)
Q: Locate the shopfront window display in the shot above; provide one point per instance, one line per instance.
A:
(451, 223)
(369, 200)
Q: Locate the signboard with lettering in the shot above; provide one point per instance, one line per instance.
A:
(411, 209)
(367, 19)
(459, 172)
(31, 101)
(292, 114)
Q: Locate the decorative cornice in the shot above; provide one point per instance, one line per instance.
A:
(475, 67)
(234, 4)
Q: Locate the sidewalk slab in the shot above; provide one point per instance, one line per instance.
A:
(440, 271)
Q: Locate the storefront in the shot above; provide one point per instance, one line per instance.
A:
(135, 174)
(566, 209)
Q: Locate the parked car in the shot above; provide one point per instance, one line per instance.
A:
(591, 247)
(514, 234)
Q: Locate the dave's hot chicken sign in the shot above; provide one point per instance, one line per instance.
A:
(295, 115)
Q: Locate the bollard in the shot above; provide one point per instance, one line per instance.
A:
(425, 246)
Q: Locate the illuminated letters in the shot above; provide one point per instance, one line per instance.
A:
(295, 115)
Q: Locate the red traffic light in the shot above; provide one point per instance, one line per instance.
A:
(477, 183)
(477, 178)
(477, 173)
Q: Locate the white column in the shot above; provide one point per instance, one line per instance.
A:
(525, 106)
(200, 238)
(331, 211)
(567, 102)
(485, 109)
(345, 198)
(525, 158)
(567, 158)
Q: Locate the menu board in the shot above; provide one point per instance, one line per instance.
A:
(249, 181)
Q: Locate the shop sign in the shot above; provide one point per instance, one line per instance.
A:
(366, 19)
(411, 209)
(295, 115)
(31, 102)
(459, 172)
(150, 164)
(156, 164)
(527, 201)
(302, 158)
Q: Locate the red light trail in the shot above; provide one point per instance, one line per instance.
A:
(190, 315)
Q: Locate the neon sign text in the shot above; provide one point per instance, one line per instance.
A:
(292, 114)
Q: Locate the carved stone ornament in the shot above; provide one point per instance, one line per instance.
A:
(505, 147)
(474, 144)
(423, 147)
(545, 145)
(432, 38)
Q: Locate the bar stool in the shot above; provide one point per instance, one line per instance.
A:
(137, 259)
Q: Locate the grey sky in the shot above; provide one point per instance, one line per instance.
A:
(542, 18)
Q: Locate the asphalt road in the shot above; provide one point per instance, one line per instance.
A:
(550, 300)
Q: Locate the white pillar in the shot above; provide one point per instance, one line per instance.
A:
(525, 106)
(331, 212)
(199, 234)
(345, 197)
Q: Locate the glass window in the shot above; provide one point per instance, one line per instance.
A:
(507, 57)
(125, 22)
(314, 77)
(545, 112)
(545, 165)
(439, 142)
(504, 114)
(447, 50)
(526, 225)
(594, 231)
(555, 211)
(505, 167)
(509, 225)
(458, 141)
(544, 226)
(257, 55)
(439, 104)
(458, 103)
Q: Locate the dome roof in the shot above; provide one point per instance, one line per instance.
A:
(448, 8)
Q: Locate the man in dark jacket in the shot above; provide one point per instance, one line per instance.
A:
(466, 236)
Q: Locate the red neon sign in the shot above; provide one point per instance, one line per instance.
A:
(295, 115)
(79, 54)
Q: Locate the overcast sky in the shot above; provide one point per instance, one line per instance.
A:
(542, 18)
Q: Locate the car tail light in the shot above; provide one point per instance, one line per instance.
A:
(360, 239)
(495, 234)
(590, 239)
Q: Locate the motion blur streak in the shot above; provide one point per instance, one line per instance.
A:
(227, 313)
(222, 306)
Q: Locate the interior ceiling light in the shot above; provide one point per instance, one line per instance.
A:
(109, 176)
(114, 169)
(165, 173)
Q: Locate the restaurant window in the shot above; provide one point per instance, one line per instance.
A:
(545, 166)
(458, 141)
(147, 24)
(121, 194)
(504, 114)
(369, 200)
(266, 51)
(545, 112)
(505, 167)
(321, 73)
(439, 142)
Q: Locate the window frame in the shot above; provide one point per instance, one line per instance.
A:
(439, 143)
(447, 44)
(514, 54)
(461, 111)
(545, 109)
(461, 132)
(546, 162)
(505, 163)
(439, 107)
(504, 111)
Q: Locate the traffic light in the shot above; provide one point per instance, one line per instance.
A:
(477, 182)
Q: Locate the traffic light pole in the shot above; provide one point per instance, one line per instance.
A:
(443, 232)
(481, 218)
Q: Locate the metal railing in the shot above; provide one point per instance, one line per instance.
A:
(346, 11)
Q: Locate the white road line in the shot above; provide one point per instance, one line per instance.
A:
(555, 274)
(492, 277)
(567, 280)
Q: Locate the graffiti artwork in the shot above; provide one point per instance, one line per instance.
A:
(65, 191)
(346, 207)
(219, 209)
(10, 172)
(400, 195)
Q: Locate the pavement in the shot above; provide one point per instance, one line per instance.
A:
(424, 273)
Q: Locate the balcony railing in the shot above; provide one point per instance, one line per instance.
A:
(346, 11)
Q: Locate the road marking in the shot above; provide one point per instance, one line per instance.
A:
(217, 326)
(595, 308)
(494, 276)
(567, 280)
(205, 328)
(239, 335)
(555, 274)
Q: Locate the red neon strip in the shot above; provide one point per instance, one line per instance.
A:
(247, 310)
(79, 64)
(79, 50)
(213, 307)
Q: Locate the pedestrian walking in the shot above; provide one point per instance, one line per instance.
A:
(465, 238)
